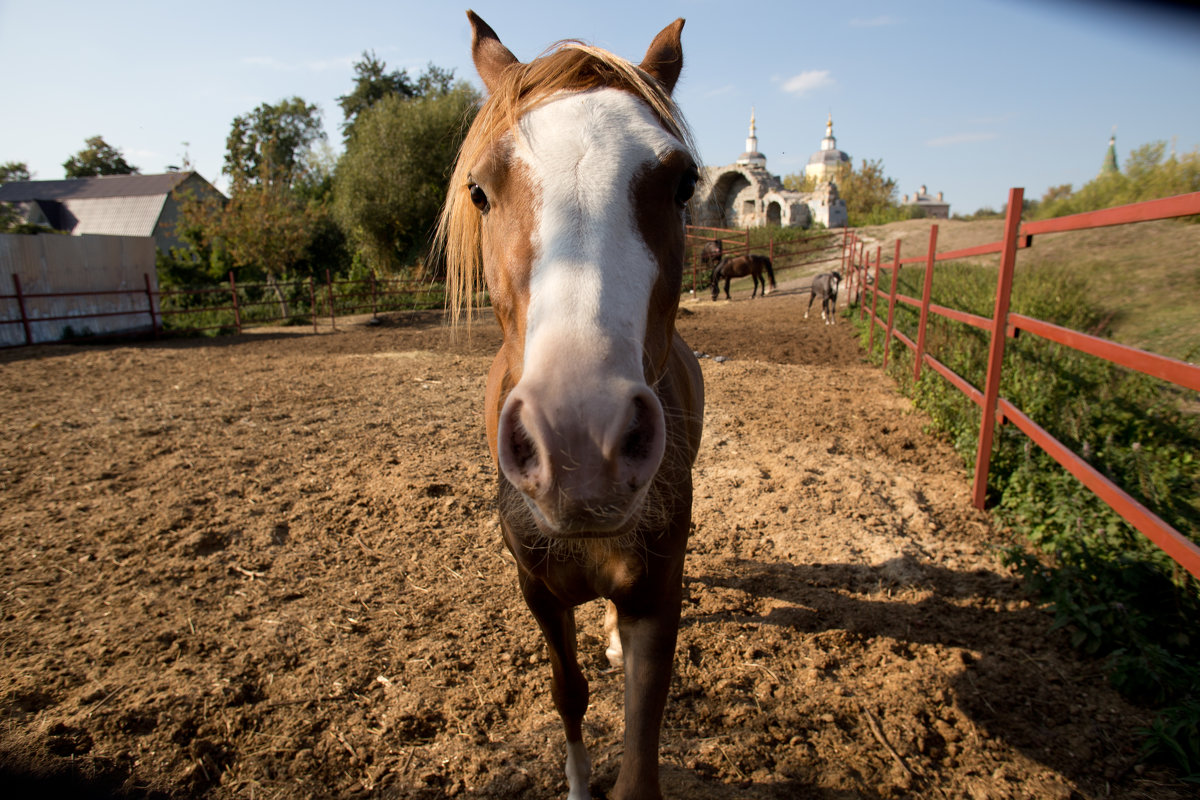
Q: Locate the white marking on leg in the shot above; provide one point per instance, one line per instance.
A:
(616, 656)
(579, 772)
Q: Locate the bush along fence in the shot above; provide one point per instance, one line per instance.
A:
(880, 300)
(225, 309)
(1052, 407)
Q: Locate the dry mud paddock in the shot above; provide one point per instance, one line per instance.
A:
(268, 567)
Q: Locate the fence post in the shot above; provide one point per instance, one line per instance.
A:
(926, 293)
(329, 288)
(875, 298)
(887, 339)
(150, 301)
(865, 268)
(991, 391)
(237, 316)
(21, 307)
(312, 301)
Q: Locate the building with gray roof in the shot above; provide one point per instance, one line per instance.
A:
(113, 205)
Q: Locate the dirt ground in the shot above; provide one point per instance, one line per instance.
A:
(268, 567)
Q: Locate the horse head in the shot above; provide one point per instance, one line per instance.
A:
(715, 278)
(572, 184)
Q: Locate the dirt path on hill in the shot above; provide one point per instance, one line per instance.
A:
(268, 567)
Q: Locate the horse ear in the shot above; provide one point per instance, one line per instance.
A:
(664, 58)
(490, 56)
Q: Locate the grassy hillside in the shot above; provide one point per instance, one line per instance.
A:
(1145, 276)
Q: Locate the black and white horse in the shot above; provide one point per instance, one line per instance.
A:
(825, 286)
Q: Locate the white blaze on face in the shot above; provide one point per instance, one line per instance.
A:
(592, 275)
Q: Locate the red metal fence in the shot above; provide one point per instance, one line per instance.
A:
(1003, 324)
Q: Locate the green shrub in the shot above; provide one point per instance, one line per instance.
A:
(1117, 595)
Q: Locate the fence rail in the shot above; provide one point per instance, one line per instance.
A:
(233, 307)
(820, 247)
(1004, 324)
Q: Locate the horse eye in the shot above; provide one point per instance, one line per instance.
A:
(687, 187)
(478, 197)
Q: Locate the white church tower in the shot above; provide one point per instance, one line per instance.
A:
(752, 158)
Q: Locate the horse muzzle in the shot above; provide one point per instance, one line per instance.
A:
(583, 460)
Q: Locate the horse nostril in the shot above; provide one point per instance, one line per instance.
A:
(641, 444)
(639, 436)
(521, 447)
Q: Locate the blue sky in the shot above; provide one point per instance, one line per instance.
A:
(967, 98)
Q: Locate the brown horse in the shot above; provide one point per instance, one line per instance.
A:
(568, 201)
(739, 267)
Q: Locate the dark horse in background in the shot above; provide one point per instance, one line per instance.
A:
(753, 265)
(711, 254)
(568, 200)
(825, 286)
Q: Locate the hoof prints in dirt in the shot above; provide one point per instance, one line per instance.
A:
(268, 566)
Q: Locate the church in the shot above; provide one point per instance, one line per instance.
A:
(745, 195)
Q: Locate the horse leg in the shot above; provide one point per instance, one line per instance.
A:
(614, 652)
(649, 645)
(568, 687)
(727, 280)
(812, 296)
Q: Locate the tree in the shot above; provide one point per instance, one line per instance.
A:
(14, 171)
(373, 83)
(10, 172)
(98, 158)
(1147, 176)
(271, 144)
(870, 195)
(392, 179)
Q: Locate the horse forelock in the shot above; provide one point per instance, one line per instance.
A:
(569, 66)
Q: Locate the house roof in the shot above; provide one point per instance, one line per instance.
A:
(83, 188)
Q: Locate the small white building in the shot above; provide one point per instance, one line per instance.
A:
(934, 206)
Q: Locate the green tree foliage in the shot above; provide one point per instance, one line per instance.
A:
(10, 172)
(1147, 176)
(392, 179)
(98, 158)
(272, 144)
(373, 82)
(14, 171)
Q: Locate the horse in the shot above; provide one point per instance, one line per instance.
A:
(739, 267)
(825, 286)
(567, 202)
(710, 254)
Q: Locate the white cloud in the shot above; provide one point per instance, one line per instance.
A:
(808, 81)
(959, 138)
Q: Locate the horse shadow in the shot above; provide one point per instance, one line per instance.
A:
(1009, 677)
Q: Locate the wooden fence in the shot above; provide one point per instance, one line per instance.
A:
(147, 311)
(861, 281)
(820, 247)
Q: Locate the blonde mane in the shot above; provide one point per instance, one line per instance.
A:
(566, 66)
